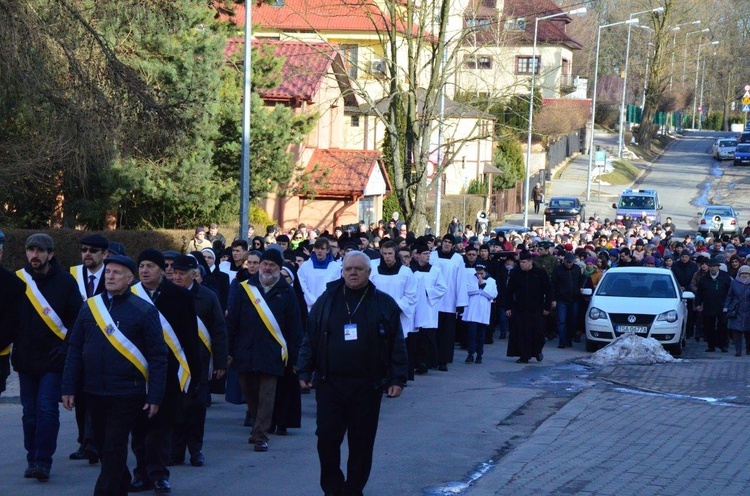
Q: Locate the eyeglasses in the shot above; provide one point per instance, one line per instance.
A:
(168, 263)
(86, 249)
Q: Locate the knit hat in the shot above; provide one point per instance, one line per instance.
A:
(272, 256)
(449, 237)
(744, 270)
(152, 255)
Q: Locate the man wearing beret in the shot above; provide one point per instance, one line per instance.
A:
(151, 436)
(90, 278)
(49, 309)
(265, 332)
(118, 358)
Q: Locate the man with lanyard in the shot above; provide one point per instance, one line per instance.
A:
(11, 292)
(451, 265)
(90, 278)
(118, 358)
(212, 332)
(265, 330)
(151, 436)
(430, 289)
(48, 310)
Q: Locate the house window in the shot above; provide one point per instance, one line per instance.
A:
(478, 23)
(524, 65)
(350, 54)
(478, 62)
(355, 121)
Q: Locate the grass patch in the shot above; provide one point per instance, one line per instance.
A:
(624, 173)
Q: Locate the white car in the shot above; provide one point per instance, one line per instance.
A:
(723, 148)
(718, 219)
(645, 301)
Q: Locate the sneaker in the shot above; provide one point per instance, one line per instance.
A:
(260, 446)
(478, 360)
(41, 473)
(469, 359)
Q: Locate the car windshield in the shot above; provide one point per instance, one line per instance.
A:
(562, 203)
(728, 143)
(639, 202)
(743, 148)
(637, 285)
(724, 212)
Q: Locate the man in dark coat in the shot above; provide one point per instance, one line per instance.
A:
(119, 385)
(11, 292)
(151, 436)
(265, 330)
(212, 332)
(528, 300)
(45, 314)
(710, 297)
(684, 269)
(567, 281)
(356, 346)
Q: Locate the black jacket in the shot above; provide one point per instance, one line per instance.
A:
(684, 273)
(528, 291)
(378, 323)
(712, 293)
(251, 345)
(11, 292)
(567, 283)
(209, 310)
(36, 349)
(95, 363)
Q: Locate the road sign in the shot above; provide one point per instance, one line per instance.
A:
(746, 100)
(746, 108)
(747, 87)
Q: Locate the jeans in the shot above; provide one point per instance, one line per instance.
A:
(503, 321)
(475, 332)
(567, 314)
(40, 395)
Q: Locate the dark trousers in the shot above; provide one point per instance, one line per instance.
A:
(348, 407)
(536, 206)
(190, 424)
(260, 392)
(151, 439)
(715, 330)
(567, 315)
(476, 337)
(412, 342)
(737, 339)
(83, 421)
(112, 419)
(40, 395)
(427, 349)
(446, 337)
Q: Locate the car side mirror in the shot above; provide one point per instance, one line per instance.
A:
(688, 295)
(614, 205)
(661, 207)
(583, 204)
(587, 291)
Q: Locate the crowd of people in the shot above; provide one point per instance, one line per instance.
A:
(137, 346)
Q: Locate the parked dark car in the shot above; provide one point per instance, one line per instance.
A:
(744, 137)
(562, 208)
(742, 154)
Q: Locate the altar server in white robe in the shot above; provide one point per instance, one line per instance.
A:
(477, 313)
(317, 271)
(430, 290)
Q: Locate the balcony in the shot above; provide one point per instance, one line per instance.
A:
(568, 83)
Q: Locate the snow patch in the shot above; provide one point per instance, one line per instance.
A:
(632, 350)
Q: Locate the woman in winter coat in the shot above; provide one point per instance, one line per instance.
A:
(738, 308)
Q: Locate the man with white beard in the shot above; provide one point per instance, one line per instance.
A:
(430, 290)
(451, 265)
(391, 277)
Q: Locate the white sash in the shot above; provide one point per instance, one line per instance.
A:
(183, 372)
(115, 337)
(77, 272)
(206, 340)
(266, 315)
(42, 307)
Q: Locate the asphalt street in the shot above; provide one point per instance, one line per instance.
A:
(500, 428)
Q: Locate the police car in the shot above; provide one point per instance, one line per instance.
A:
(639, 204)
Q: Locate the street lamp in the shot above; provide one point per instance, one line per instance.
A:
(645, 78)
(625, 80)
(246, 96)
(695, 92)
(674, 45)
(593, 101)
(534, 69)
(684, 58)
(703, 79)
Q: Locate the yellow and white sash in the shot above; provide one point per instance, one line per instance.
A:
(183, 372)
(5, 351)
(42, 307)
(77, 272)
(115, 337)
(267, 317)
(206, 340)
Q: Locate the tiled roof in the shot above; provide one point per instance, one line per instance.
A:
(342, 173)
(305, 67)
(550, 30)
(452, 109)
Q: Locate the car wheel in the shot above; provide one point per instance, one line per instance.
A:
(675, 349)
(591, 346)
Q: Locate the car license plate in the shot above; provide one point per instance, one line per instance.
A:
(632, 329)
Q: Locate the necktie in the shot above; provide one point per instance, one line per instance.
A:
(90, 286)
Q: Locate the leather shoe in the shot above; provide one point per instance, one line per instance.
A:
(540, 357)
(138, 485)
(443, 368)
(41, 473)
(281, 431)
(29, 472)
(260, 446)
(522, 360)
(78, 455)
(561, 346)
(724, 349)
(197, 459)
(91, 454)
(162, 487)
(173, 462)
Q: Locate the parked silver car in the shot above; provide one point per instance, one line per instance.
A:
(723, 148)
(718, 220)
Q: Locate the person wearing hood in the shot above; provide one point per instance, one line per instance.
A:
(49, 308)
(737, 307)
(317, 271)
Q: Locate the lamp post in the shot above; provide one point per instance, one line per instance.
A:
(246, 96)
(674, 46)
(593, 99)
(645, 78)
(621, 133)
(684, 57)
(695, 91)
(534, 68)
(703, 79)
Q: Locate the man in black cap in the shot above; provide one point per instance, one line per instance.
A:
(90, 278)
(364, 246)
(46, 313)
(11, 292)
(265, 332)
(212, 332)
(151, 436)
(528, 300)
(710, 296)
(118, 358)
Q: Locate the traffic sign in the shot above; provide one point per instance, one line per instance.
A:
(746, 100)
(747, 87)
(746, 108)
